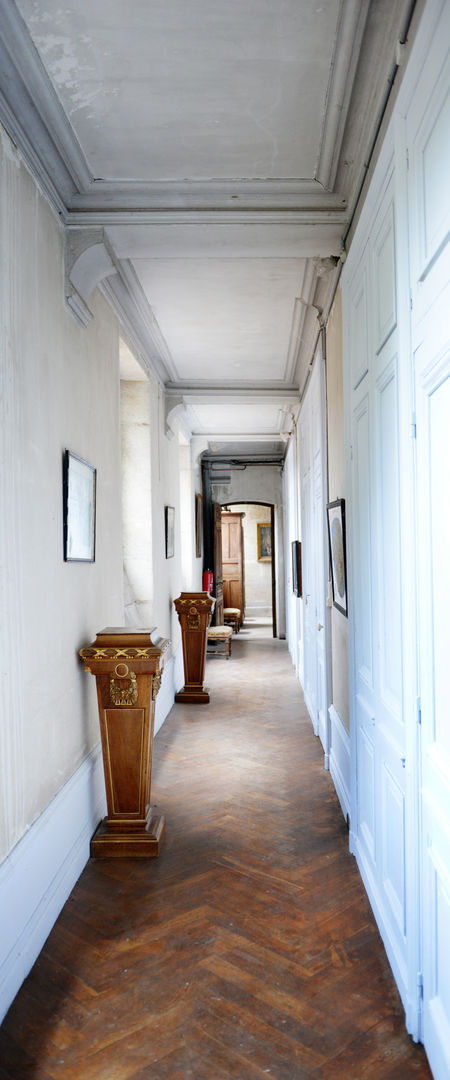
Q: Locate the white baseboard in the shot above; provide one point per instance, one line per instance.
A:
(40, 872)
(172, 680)
(310, 709)
(340, 760)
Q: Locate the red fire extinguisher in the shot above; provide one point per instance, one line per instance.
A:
(208, 581)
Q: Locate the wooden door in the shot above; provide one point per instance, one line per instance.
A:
(233, 562)
(218, 572)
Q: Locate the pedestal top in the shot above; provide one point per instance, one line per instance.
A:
(125, 643)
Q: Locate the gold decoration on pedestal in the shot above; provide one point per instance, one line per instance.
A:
(194, 612)
(126, 705)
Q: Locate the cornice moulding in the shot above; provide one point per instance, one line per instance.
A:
(243, 391)
(352, 21)
(36, 112)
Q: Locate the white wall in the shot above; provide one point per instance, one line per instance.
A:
(60, 389)
(258, 575)
(136, 502)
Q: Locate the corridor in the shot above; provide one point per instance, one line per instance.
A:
(248, 949)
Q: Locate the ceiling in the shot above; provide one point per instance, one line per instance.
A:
(206, 159)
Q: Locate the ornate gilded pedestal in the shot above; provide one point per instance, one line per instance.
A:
(127, 665)
(194, 610)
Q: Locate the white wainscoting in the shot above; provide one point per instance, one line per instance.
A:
(172, 681)
(40, 872)
(340, 760)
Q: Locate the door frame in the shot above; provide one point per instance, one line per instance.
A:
(259, 502)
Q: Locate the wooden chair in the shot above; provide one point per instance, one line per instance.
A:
(232, 615)
(220, 634)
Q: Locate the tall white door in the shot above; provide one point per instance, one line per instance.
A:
(379, 805)
(428, 136)
(314, 554)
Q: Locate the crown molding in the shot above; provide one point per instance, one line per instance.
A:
(33, 115)
(138, 321)
(352, 21)
(196, 393)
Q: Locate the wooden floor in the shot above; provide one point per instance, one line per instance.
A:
(248, 949)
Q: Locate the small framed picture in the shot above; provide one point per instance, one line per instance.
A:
(79, 498)
(338, 558)
(169, 512)
(296, 549)
(198, 525)
(264, 542)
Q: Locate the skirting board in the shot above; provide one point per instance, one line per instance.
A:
(40, 872)
(172, 680)
(340, 760)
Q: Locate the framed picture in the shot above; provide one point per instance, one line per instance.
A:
(198, 525)
(169, 512)
(79, 496)
(296, 549)
(264, 533)
(338, 558)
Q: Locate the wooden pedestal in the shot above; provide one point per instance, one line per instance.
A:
(127, 665)
(194, 610)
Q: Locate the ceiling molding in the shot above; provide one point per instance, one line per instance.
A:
(202, 387)
(35, 118)
(302, 304)
(352, 21)
(221, 394)
(137, 323)
(214, 194)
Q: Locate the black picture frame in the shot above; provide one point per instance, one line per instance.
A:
(198, 525)
(338, 554)
(296, 551)
(169, 518)
(79, 508)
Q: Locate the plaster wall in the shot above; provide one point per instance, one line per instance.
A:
(136, 502)
(60, 389)
(261, 483)
(258, 575)
(336, 488)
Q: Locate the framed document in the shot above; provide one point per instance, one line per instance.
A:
(79, 503)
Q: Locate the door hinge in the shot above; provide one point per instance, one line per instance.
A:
(420, 984)
(419, 710)
(407, 158)
(413, 426)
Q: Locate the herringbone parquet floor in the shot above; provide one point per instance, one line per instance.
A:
(248, 949)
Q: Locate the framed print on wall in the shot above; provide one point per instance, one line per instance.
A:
(198, 525)
(296, 549)
(79, 503)
(169, 512)
(264, 533)
(338, 559)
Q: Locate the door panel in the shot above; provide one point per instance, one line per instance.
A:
(314, 555)
(375, 588)
(428, 139)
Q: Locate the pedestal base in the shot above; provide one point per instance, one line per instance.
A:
(110, 843)
(196, 696)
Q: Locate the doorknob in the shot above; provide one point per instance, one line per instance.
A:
(319, 626)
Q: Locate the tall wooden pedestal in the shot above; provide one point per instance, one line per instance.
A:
(127, 665)
(194, 610)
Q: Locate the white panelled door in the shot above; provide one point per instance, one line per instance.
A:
(428, 137)
(375, 567)
(314, 554)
